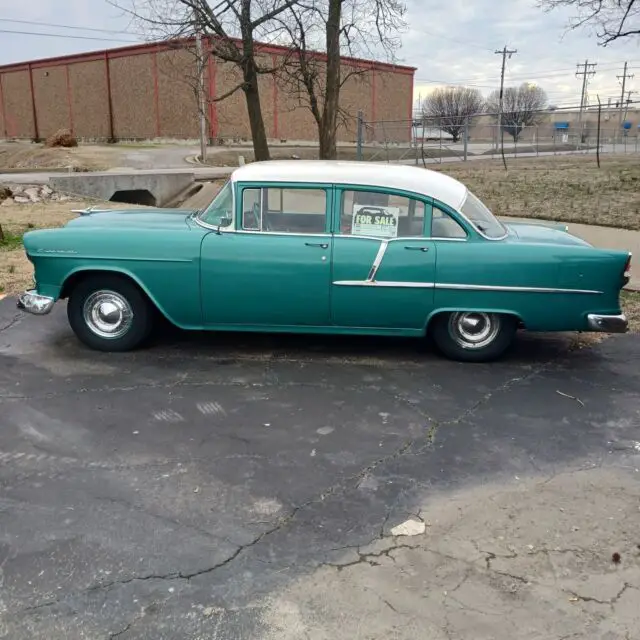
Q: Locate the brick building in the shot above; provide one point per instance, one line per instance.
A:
(147, 91)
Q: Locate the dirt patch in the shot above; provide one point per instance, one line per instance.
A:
(562, 188)
(61, 138)
(30, 156)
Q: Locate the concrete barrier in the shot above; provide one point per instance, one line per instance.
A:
(149, 188)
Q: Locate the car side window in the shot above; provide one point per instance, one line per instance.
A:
(284, 210)
(384, 215)
(444, 226)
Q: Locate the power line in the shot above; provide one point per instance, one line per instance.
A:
(65, 26)
(67, 36)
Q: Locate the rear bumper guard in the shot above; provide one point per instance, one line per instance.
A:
(608, 324)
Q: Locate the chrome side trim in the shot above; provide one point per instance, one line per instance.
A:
(377, 260)
(607, 324)
(483, 287)
(468, 287)
(31, 302)
(384, 283)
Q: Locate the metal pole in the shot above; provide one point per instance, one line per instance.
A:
(598, 134)
(466, 137)
(360, 135)
(201, 95)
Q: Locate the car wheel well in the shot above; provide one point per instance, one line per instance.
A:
(520, 322)
(75, 278)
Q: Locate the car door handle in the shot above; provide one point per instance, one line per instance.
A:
(417, 248)
(322, 245)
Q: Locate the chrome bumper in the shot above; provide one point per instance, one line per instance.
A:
(32, 302)
(608, 324)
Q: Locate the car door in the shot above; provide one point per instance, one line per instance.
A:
(383, 265)
(273, 267)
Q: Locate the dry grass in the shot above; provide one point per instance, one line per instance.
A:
(229, 157)
(15, 270)
(27, 156)
(562, 188)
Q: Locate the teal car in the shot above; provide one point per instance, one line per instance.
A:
(326, 247)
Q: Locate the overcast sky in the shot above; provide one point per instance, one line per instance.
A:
(449, 41)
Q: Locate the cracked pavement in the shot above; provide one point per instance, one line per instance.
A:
(239, 486)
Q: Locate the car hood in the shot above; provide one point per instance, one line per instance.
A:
(542, 233)
(142, 219)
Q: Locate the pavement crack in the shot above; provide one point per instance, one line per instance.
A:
(117, 634)
(611, 602)
(11, 322)
(370, 558)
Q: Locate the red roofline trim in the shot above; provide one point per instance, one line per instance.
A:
(167, 45)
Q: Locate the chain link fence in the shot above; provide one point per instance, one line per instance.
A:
(424, 140)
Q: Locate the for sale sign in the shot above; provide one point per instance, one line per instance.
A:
(369, 220)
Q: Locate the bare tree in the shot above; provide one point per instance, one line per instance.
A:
(231, 30)
(521, 107)
(320, 34)
(612, 19)
(452, 107)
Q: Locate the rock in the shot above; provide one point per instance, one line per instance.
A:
(22, 200)
(33, 194)
(46, 191)
(409, 528)
(8, 202)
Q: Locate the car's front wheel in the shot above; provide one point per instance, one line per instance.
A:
(109, 313)
(472, 336)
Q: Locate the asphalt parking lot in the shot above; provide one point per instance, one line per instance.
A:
(242, 486)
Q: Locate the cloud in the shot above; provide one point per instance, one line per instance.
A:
(452, 42)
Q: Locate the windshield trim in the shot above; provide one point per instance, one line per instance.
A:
(473, 224)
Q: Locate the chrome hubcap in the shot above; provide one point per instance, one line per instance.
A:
(108, 314)
(474, 330)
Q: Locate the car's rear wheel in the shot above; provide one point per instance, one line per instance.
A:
(473, 336)
(109, 313)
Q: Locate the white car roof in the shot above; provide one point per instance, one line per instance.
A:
(379, 174)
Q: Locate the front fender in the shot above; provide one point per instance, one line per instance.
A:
(166, 266)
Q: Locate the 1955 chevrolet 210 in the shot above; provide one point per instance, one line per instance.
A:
(326, 247)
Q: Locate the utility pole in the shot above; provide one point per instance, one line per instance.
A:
(627, 102)
(624, 77)
(588, 70)
(201, 94)
(504, 53)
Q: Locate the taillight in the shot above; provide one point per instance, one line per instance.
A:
(627, 266)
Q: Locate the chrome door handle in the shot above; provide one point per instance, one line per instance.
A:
(417, 248)
(322, 245)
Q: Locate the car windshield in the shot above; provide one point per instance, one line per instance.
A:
(220, 212)
(475, 211)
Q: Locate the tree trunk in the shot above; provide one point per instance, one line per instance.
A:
(329, 124)
(256, 121)
(251, 87)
